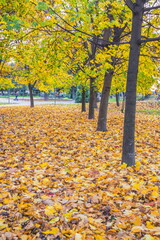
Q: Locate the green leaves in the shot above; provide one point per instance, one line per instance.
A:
(4, 2)
(51, 11)
(72, 19)
(12, 22)
(91, 7)
(42, 6)
(14, 25)
(35, 24)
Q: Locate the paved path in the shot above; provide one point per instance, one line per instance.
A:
(26, 102)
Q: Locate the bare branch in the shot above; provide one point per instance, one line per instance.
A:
(153, 57)
(151, 8)
(149, 40)
(26, 34)
(104, 43)
(151, 25)
(34, 83)
(78, 30)
(69, 31)
(126, 34)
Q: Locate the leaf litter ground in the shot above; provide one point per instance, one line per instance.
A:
(60, 179)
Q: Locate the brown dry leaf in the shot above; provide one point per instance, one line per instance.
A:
(30, 225)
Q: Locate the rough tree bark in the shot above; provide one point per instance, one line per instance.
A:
(30, 87)
(92, 80)
(102, 118)
(46, 96)
(117, 99)
(83, 99)
(128, 155)
(123, 102)
(95, 100)
(91, 99)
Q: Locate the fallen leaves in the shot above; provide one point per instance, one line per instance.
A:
(53, 231)
(62, 180)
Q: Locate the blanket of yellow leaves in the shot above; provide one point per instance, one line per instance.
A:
(60, 179)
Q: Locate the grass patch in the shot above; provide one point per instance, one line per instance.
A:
(150, 112)
(7, 103)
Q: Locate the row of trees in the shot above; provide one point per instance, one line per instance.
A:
(96, 44)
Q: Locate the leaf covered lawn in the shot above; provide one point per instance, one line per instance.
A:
(60, 179)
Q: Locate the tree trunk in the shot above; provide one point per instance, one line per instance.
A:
(73, 92)
(46, 96)
(31, 95)
(83, 99)
(95, 99)
(102, 118)
(128, 155)
(123, 102)
(91, 99)
(92, 79)
(117, 99)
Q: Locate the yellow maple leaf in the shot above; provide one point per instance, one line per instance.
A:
(2, 174)
(122, 225)
(136, 185)
(99, 237)
(44, 197)
(137, 229)
(124, 165)
(154, 178)
(149, 225)
(45, 181)
(54, 230)
(137, 221)
(58, 206)
(144, 191)
(68, 215)
(155, 194)
(24, 205)
(49, 210)
(6, 200)
(54, 220)
(26, 167)
(42, 165)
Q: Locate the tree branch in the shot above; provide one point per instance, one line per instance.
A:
(104, 43)
(126, 34)
(151, 25)
(130, 4)
(151, 8)
(34, 83)
(69, 31)
(70, 24)
(149, 40)
(153, 57)
(101, 42)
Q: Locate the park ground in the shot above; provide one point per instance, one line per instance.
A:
(5, 101)
(60, 179)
